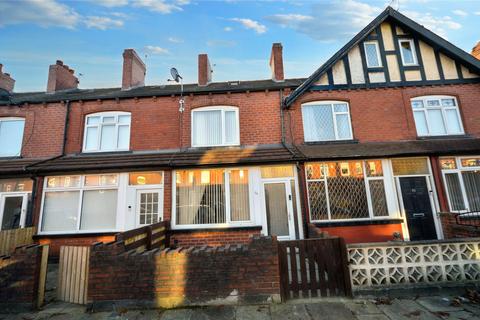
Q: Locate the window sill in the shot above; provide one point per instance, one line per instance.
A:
(215, 147)
(365, 222)
(213, 229)
(74, 234)
(446, 136)
(92, 153)
(350, 141)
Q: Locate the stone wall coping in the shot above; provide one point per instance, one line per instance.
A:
(410, 243)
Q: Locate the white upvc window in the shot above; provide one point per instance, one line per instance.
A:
(461, 176)
(107, 131)
(215, 126)
(212, 198)
(437, 116)
(326, 121)
(11, 136)
(80, 204)
(348, 190)
(372, 54)
(407, 51)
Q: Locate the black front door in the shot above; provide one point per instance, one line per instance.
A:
(416, 201)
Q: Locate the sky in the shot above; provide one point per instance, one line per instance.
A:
(90, 35)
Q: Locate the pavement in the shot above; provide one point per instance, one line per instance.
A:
(421, 308)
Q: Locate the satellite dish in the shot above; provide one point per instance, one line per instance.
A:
(174, 72)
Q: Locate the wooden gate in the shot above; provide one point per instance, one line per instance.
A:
(73, 274)
(314, 268)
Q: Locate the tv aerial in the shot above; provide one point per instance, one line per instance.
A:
(178, 79)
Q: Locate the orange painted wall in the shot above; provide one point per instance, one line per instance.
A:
(362, 234)
(85, 240)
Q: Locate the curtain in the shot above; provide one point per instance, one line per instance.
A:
(60, 211)
(239, 199)
(99, 210)
(318, 123)
(207, 128)
(454, 191)
(471, 180)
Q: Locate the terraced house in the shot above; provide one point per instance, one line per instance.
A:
(370, 147)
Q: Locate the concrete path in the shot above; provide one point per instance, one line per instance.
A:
(423, 308)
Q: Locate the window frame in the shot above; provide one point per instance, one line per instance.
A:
(99, 125)
(377, 50)
(81, 188)
(442, 108)
(228, 221)
(371, 215)
(458, 171)
(414, 52)
(334, 118)
(223, 109)
(7, 119)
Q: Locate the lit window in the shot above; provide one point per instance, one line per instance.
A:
(11, 136)
(407, 51)
(212, 197)
(108, 131)
(215, 126)
(80, 203)
(145, 178)
(462, 182)
(326, 121)
(346, 190)
(372, 54)
(437, 116)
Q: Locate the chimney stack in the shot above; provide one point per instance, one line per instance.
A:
(61, 77)
(476, 51)
(276, 62)
(6, 82)
(204, 70)
(134, 70)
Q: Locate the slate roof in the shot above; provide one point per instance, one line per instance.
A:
(403, 21)
(148, 91)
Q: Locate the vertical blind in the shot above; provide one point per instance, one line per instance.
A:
(214, 127)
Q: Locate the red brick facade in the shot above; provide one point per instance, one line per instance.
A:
(213, 237)
(56, 242)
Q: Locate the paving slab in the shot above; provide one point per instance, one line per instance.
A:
(460, 315)
(289, 312)
(403, 309)
(362, 307)
(177, 314)
(329, 311)
(372, 317)
(437, 304)
(252, 313)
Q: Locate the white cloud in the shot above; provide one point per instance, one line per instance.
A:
(175, 40)
(102, 23)
(111, 3)
(477, 13)
(156, 50)
(460, 13)
(227, 29)
(329, 21)
(251, 24)
(162, 6)
(45, 13)
(439, 25)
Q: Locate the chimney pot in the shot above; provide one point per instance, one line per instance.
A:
(134, 70)
(7, 83)
(276, 62)
(204, 70)
(61, 77)
(476, 51)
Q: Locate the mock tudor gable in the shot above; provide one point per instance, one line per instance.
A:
(392, 51)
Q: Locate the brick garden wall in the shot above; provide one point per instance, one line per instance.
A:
(186, 276)
(19, 276)
(212, 238)
(452, 230)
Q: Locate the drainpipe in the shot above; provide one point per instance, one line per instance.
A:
(65, 127)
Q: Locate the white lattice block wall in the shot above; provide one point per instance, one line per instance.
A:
(389, 264)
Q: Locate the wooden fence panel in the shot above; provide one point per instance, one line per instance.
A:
(145, 238)
(314, 267)
(73, 274)
(10, 239)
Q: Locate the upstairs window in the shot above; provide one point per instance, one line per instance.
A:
(11, 136)
(215, 126)
(437, 116)
(326, 121)
(107, 131)
(372, 54)
(407, 51)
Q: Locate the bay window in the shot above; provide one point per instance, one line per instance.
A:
(326, 121)
(107, 131)
(462, 182)
(80, 203)
(437, 116)
(11, 136)
(346, 190)
(215, 126)
(212, 197)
